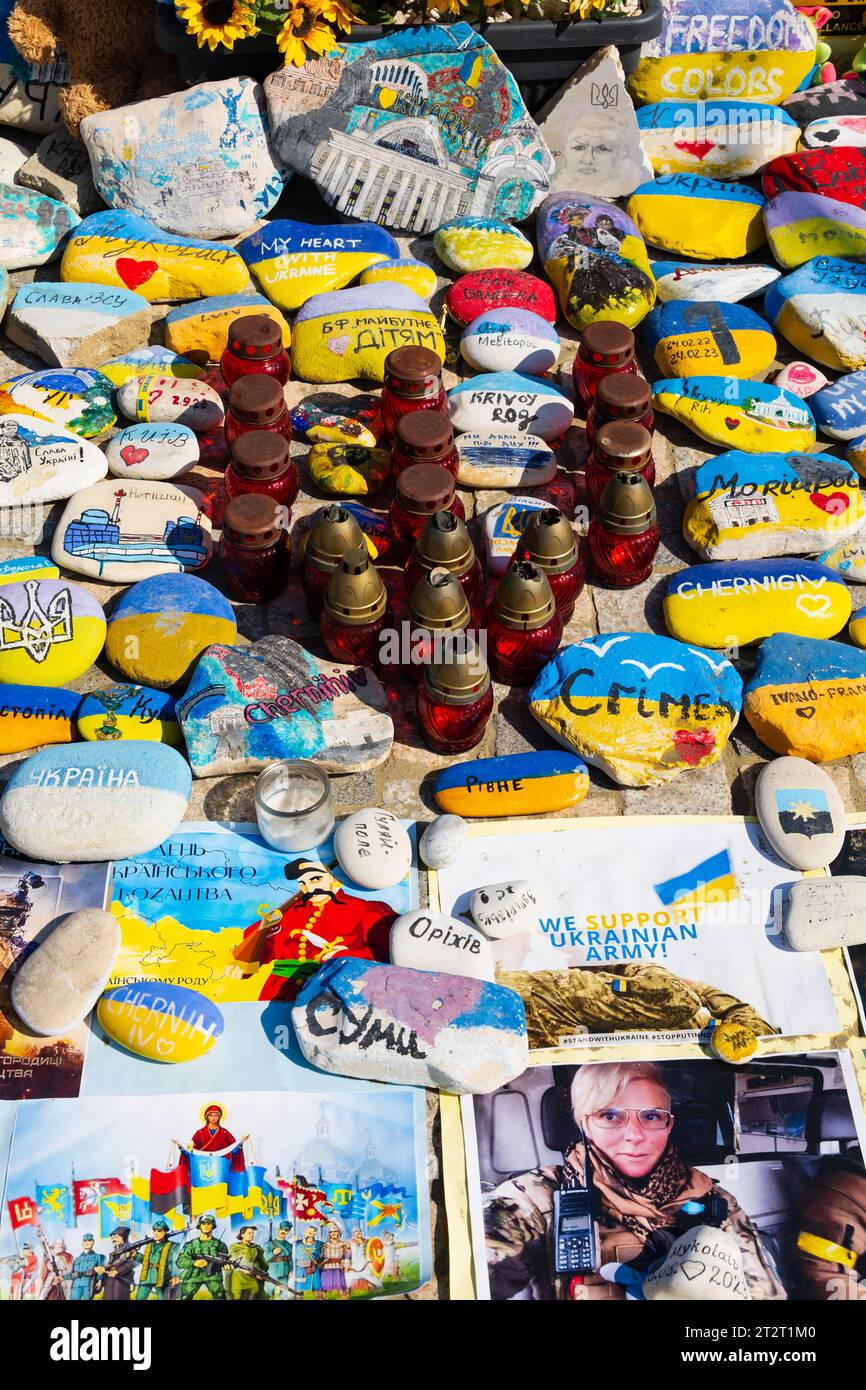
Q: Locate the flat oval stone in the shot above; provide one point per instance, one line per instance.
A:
(34, 715)
(78, 400)
(509, 401)
(521, 784)
(504, 524)
(686, 337)
(738, 602)
(200, 331)
(160, 627)
(423, 940)
(417, 276)
(847, 559)
(596, 259)
(800, 812)
(820, 308)
(348, 334)
(723, 284)
(829, 131)
(798, 224)
(143, 360)
(510, 340)
(154, 452)
(442, 841)
(720, 139)
(41, 462)
(16, 568)
(755, 416)
(124, 534)
(503, 460)
(504, 910)
(294, 260)
(750, 507)
(806, 698)
(57, 985)
(77, 325)
(349, 470)
(839, 174)
(642, 708)
(52, 631)
(844, 97)
(95, 801)
(122, 249)
(33, 227)
(372, 847)
(356, 421)
(162, 1022)
(840, 409)
(826, 913)
(127, 711)
(801, 379)
(155, 398)
(699, 217)
(857, 626)
(483, 290)
(481, 243)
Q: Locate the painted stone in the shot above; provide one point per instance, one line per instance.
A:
(408, 128)
(244, 707)
(60, 167)
(443, 840)
(420, 1028)
(799, 224)
(57, 985)
(800, 812)
(720, 139)
(805, 699)
(356, 421)
(733, 604)
(820, 308)
(51, 632)
(725, 284)
(504, 460)
(732, 1041)
(29, 90)
(127, 711)
(348, 334)
(32, 227)
(349, 470)
(481, 243)
(510, 340)
(830, 131)
(160, 627)
(845, 97)
(840, 409)
(294, 260)
(723, 410)
(590, 128)
(760, 53)
(699, 217)
(801, 379)
(13, 154)
(77, 325)
(34, 715)
(855, 454)
(826, 913)
(521, 784)
(40, 462)
(94, 801)
(417, 276)
(161, 1022)
(200, 331)
(848, 559)
(72, 399)
(495, 401)
(130, 252)
(121, 534)
(146, 360)
(703, 1264)
(198, 162)
(642, 708)
(16, 568)
(5, 289)
(423, 940)
(484, 290)
(504, 524)
(596, 260)
(504, 910)
(687, 338)
(373, 848)
(857, 628)
(170, 399)
(752, 507)
(839, 174)
(154, 452)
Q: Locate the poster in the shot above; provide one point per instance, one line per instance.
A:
(654, 928)
(32, 898)
(765, 1153)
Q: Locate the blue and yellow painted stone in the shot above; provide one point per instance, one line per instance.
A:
(146, 360)
(162, 1022)
(848, 558)
(160, 626)
(720, 139)
(121, 248)
(691, 338)
(821, 309)
(357, 421)
(640, 707)
(738, 602)
(348, 334)
(294, 260)
(127, 711)
(807, 699)
(521, 784)
(34, 715)
(857, 628)
(20, 567)
(199, 331)
(755, 416)
(698, 217)
(802, 225)
(417, 276)
(348, 469)
(78, 399)
(595, 257)
(481, 243)
(855, 454)
(51, 632)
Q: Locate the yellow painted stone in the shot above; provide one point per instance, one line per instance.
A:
(162, 1022)
(733, 1042)
(415, 275)
(482, 243)
(750, 416)
(51, 632)
(121, 369)
(200, 331)
(707, 219)
(348, 334)
(348, 470)
(750, 76)
(733, 603)
(857, 628)
(120, 249)
(20, 567)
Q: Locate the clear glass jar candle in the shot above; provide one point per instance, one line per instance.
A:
(294, 805)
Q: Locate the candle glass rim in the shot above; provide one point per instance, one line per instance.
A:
(309, 768)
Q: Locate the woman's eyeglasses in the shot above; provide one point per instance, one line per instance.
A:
(616, 1117)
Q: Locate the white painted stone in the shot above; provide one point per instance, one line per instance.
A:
(423, 940)
(122, 534)
(59, 983)
(503, 527)
(800, 812)
(442, 841)
(829, 131)
(78, 325)
(591, 129)
(509, 401)
(724, 284)
(171, 398)
(504, 460)
(43, 462)
(704, 1264)
(824, 913)
(503, 910)
(32, 227)
(510, 340)
(159, 451)
(60, 167)
(801, 379)
(373, 848)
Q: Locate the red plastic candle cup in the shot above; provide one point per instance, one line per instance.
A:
(605, 347)
(255, 348)
(620, 396)
(254, 548)
(257, 403)
(412, 382)
(426, 436)
(620, 447)
(261, 463)
(423, 489)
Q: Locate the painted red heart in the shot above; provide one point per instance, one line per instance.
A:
(699, 148)
(694, 744)
(134, 273)
(131, 456)
(833, 503)
(731, 424)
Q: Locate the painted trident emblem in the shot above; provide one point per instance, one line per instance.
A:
(38, 629)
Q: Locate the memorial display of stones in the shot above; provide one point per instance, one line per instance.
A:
(721, 139)
(835, 130)
(840, 409)
(349, 470)
(77, 325)
(417, 276)
(819, 309)
(144, 360)
(845, 97)
(798, 224)
(698, 337)
(122, 534)
(590, 128)
(127, 711)
(160, 1024)
(433, 941)
(348, 334)
(60, 167)
(824, 914)
(801, 379)
(503, 524)
(442, 841)
(169, 399)
(131, 252)
(596, 259)
(700, 217)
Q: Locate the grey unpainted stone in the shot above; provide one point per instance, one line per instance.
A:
(61, 168)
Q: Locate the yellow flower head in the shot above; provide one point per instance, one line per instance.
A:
(215, 22)
(306, 29)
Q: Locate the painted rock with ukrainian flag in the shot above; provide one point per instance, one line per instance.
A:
(857, 628)
(714, 339)
(348, 334)
(162, 1022)
(292, 261)
(51, 632)
(755, 416)
(76, 325)
(799, 224)
(595, 257)
(840, 408)
(481, 243)
(200, 331)
(79, 400)
(522, 784)
(17, 568)
(504, 524)
(121, 248)
(417, 276)
(739, 602)
(721, 139)
(142, 361)
(32, 716)
(159, 627)
(127, 711)
(807, 698)
(699, 217)
(821, 309)
(641, 708)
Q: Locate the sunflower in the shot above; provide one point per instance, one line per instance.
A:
(307, 29)
(585, 8)
(215, 22)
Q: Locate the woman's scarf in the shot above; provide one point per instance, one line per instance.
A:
(641, 1205)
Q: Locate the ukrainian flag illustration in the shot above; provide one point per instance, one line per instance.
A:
(711, 881)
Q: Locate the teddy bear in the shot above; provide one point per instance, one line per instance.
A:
(109, 45)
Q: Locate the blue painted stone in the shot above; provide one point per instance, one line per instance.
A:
(130, 712)
(20, 567)
(741, 601)
(807, 698)
(294, 260)
(521, 784)
(34, 715)
(856, 455)
(32, 227)
(95, 801)
(510, 340)
(595, 257)
(160, 626)
(161, 1022)
(687, 338)
(699, 217)
(840, 409)
(481, 243)
(754, 415)
(509, 401)
(722, 139)
(723, 284)
(821, 308)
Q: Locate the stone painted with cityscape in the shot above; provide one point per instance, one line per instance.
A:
(754, 415)
(596, 259)
(122, 533)
(32, 227)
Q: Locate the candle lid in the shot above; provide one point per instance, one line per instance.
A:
(624, 395)
(356, 593)
(255, 336)
(460, 676)
(260, 454)
(444, 540)
(333, 532)
(623, 444)
(427, 434)
(626, 506)
(425, 487)
(606, 343)
(438, 603)
(412, 371)
(252, 521)
(524, 598)
(257, 399)
(548, 541)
